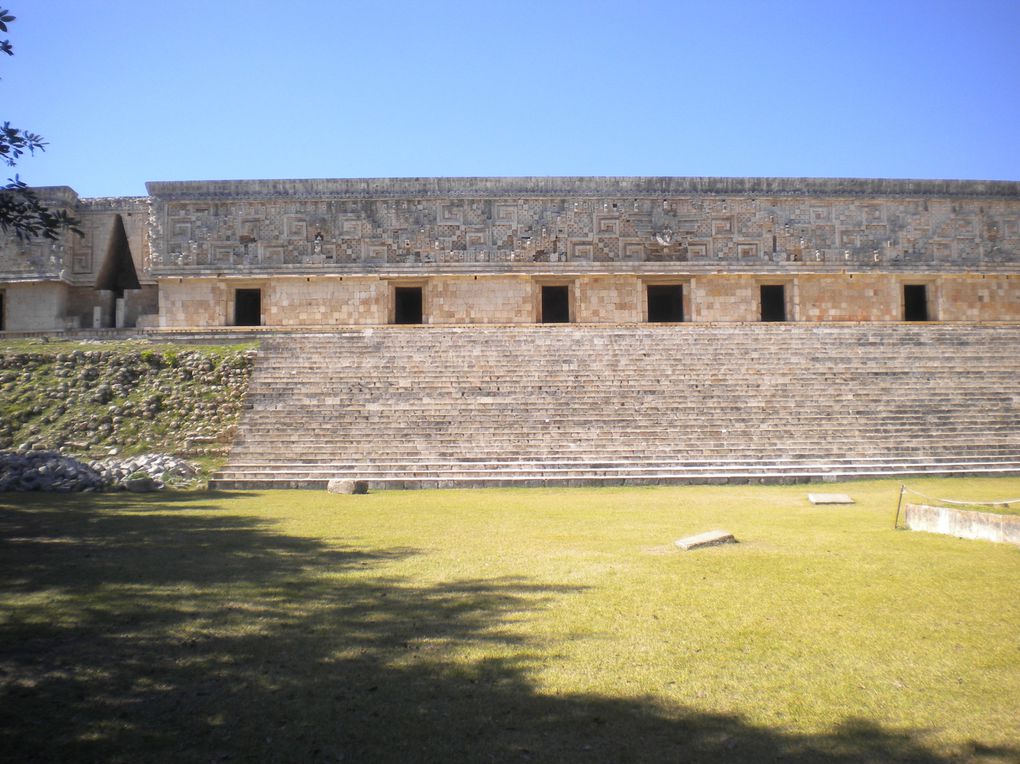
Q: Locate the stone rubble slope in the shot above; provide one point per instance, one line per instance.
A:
(76, 419)
(119, 397)
(50, 471)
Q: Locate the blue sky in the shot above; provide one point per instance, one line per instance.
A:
(127, 92)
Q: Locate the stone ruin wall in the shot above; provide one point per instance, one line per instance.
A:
(52, 284)
(330, 252)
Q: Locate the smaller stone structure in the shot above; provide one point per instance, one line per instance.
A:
(964, 524)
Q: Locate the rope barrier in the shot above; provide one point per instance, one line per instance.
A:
(904, 490)
(1002, 503)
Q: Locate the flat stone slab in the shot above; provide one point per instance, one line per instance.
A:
(347, 486)
(710, 538)
(829, 498)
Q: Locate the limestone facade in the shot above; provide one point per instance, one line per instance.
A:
(324, 253)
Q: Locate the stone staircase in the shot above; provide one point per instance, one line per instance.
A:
(564, 405)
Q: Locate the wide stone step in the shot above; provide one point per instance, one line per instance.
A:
(432, 406)
(500, 480)
(389, 470)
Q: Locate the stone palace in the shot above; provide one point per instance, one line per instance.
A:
(449, 251)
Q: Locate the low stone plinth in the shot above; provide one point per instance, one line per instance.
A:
(347, 486)
(964, 524)
(829, 498)
(711, 538)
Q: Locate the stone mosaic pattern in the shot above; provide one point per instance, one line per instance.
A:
(288, 226)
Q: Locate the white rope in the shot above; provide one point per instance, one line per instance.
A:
(1004, 503)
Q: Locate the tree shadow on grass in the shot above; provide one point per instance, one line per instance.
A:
(184, 637)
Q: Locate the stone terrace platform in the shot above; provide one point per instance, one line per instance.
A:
(423, 407)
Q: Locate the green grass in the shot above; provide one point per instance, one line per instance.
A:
(504, 625)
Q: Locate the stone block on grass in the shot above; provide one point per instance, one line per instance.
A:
(829, 498)
(710, 538)
(347, 486)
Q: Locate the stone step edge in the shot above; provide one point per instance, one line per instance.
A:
(405, 483)
(333, 468)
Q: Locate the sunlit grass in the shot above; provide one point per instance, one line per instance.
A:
(507, 625)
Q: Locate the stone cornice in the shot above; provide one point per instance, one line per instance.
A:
(60, 195)
(112, 203)
(600, 187)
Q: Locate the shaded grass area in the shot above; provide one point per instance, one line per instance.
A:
(503, 625)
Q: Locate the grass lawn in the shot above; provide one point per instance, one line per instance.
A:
(504, 625)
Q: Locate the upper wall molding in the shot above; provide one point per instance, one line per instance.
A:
(537, 187)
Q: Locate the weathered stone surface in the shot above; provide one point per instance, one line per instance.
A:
(965, 524)
(51, 471)
(709, 538)
(347, 486)
(46, 471)
(140, 485)
(829, 498)
(162, 469)
(176, 402)
(843, 245)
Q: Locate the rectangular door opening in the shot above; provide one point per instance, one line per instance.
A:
(915, 302)
(247, 307)
(555, 305)
(665, 303)
(2, 325)
(407, 305)
(773, 302)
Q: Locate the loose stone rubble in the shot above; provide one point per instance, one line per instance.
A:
(85, 401)
(54, 472)
(161, 469)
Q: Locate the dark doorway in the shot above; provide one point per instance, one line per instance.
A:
(407, 305)
(773, 302)
(915, 302)
(666, 303)
(2, 325)
(247, 307)
(555, 305)
(116, 274)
